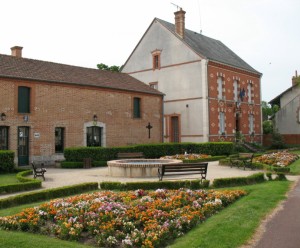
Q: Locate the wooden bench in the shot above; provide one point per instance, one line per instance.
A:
(183, 169)
(122, 155)
(38, 172)
(242, 160)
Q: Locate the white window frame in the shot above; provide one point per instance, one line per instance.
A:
(222, 122)
(220, 87)
(251, 123)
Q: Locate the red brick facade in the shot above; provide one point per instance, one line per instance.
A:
(72, 107)
(236, 111)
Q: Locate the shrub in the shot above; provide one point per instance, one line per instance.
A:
(76, 165)
(77, 154)
(269, 176)
(238, 181)
(6, 161)
(281, 169)
(192, 184)
(280, 176)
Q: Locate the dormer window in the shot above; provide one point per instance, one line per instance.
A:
(156, 59)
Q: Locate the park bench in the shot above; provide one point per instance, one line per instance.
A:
(38, 171)
(242, 160)
(122, 155)
(183, 169)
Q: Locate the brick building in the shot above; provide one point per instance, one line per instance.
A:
(45, 107)
(211, 94)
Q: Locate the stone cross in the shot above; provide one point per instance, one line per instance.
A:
(149, 127)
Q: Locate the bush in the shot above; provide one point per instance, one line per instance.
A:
(281, 169)
(191, 184)
(238, 181)
(6, 161)
(77, 154)
(25, 183)
(269, 176)
(280, 176)
(214, 158)
(47, 194)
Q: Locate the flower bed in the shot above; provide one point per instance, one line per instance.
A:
(187, 156)
(281, 159)
(123, 219)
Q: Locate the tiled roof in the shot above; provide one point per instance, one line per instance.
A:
(30, 69)
(210, 48)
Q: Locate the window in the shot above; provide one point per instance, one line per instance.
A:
(156, 59)
(251, 124)
(59, 139)
(249, 92)
(154, 85)
(136, 107)
(3, 138)
(235, 90)
(23, 99)
(220, 87)
(222, 123)
(93, 136)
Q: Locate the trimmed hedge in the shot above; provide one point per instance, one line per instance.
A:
(6, 161)
(191, 184)
(47, 194)
(25, 183)
(214, 158)
(238, 181)
(77, 154)
(282, 169)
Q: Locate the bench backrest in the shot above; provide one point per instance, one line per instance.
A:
(191, 167)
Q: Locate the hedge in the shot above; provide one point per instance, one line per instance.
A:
(191, 184)
(238, 181)
(214, 158)
(47, 194)
(77, 154)
(6, 161)
(25, 183)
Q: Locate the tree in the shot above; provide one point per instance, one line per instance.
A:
(105, 67)
(267, 110)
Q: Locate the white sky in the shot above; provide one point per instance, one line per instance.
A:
(265, 33)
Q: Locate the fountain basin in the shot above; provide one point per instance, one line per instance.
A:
(137, 167)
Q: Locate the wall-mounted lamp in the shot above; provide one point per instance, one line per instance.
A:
(95, 118)
(3, 117)
(187, 106)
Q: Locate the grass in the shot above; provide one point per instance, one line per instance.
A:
(231, 227)
(8, 179)
(235, 225)
(295, 167)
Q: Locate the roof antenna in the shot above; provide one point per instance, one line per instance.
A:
(178, 7)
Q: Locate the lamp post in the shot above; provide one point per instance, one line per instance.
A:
(3, 117)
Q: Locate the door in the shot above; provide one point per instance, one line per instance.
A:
(23, 146)
(174, 129)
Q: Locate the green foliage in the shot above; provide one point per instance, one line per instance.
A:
(281, 169)
(280, 176)
(277, 140)
(77, 154)
(268, 127)
(191, 184)
(105, 67)
(47, 194)
(26, 183)
(269, 176)
(6, 161)
(238, 181)
(214, 158)
(268, 110)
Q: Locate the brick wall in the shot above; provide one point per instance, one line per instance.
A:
(71, 107)
(228, 104)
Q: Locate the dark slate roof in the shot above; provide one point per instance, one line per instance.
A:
(30, 69)
(210, 48)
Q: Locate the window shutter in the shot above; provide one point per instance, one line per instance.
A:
(23, 100)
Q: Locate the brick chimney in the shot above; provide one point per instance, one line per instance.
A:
(295, 79)
(180, 22)
(16, 51)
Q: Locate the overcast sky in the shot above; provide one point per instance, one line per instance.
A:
(264, 33)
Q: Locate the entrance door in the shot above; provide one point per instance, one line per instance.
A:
(23, 146)
(93, 136)
(174, 129)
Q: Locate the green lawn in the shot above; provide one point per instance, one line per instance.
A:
(295, 167)
(230, 228)
(8, 179)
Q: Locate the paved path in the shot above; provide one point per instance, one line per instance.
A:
(282, 230)
(57, 177)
